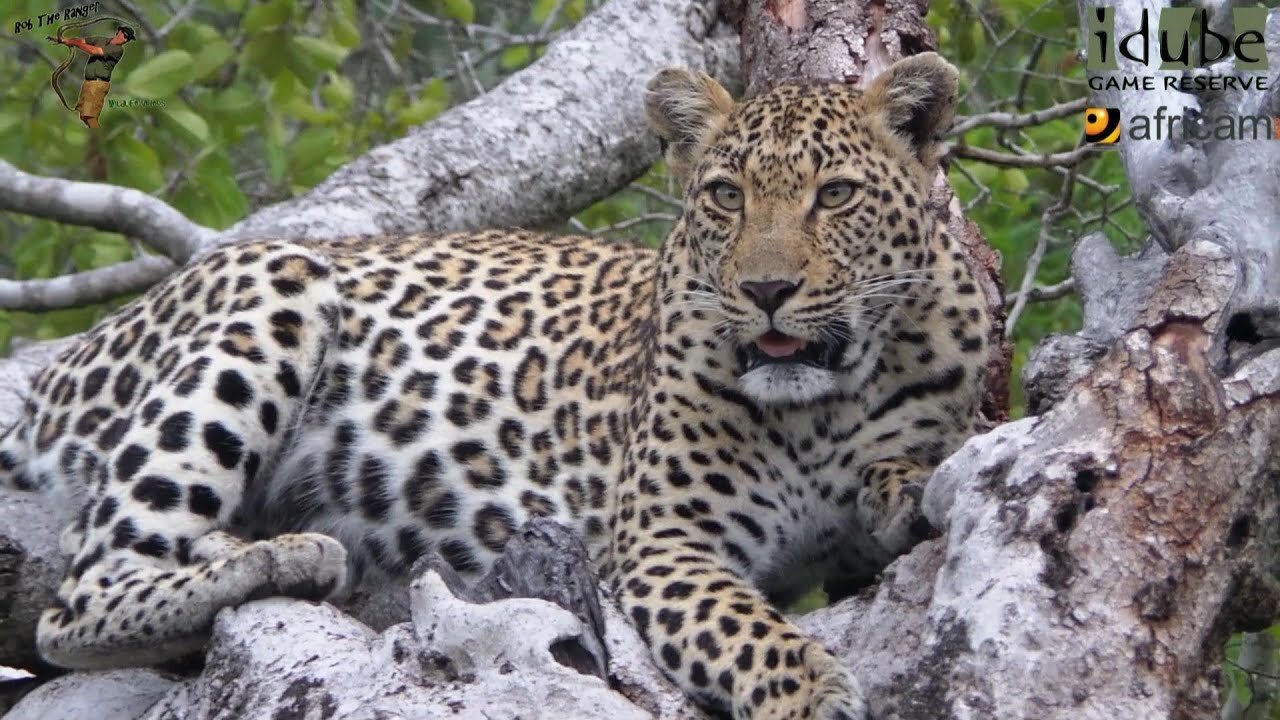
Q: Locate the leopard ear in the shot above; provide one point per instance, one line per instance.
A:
(685, 109)
(918, 98)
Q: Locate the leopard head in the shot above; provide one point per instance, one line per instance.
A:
(804, 221)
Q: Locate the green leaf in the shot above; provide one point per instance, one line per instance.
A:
(1014, 180)
(320, 53)
(133, 163)
(461, 10)
(236, 106)
(212, 56)
(338, 92)
(265, 52)
(310, 147)
(303, 110)
(437, 89)
(285, 88)
(267, 16)
(274, 150)
(99, 249)
(187, 122)
(58, 323)
(420, 110)
(9, 122)
(575, 10)
(514, 58)
(542, 9)
(37, 255)
(6, 331)
(345, 32)
(160, 75)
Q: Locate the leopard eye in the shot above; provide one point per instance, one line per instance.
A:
(835, 194)
(727, 195)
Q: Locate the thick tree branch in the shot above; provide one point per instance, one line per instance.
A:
(105, 207)
(85, 288)
(554, 138)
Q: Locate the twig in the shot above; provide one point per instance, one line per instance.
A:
(1033, 57)
(984, 192)
(1047, 219)
(631, 222)
(658, 195)
(85, 288)
(552, 17)
(105, 207)
(178, 17)
(1009, 121)
(1029, 160)
(1041, 293)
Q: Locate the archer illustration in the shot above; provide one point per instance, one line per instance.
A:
(104, 53)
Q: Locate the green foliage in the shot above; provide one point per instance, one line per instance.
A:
(240, 104)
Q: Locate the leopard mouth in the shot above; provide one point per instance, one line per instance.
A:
(777, 348)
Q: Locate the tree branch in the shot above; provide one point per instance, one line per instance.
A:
(1182, 192)
(1013, 121)
(551, 139)
(85, 288)
(104, 207)
(1071, 158)
(1044, 292)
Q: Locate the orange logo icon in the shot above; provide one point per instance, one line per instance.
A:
(1102, 125)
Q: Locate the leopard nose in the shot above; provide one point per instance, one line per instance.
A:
(769, 295)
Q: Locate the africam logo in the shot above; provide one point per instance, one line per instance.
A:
(1102, 126)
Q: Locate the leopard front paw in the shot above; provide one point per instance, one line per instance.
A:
(809, 685)
(309, 566)
(837, 695)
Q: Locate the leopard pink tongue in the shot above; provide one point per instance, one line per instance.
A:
(776, 344)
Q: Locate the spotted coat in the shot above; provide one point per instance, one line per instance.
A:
(748, 412)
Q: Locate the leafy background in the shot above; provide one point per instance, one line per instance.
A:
(261, 100)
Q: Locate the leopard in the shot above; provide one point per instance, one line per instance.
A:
(747, 412)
